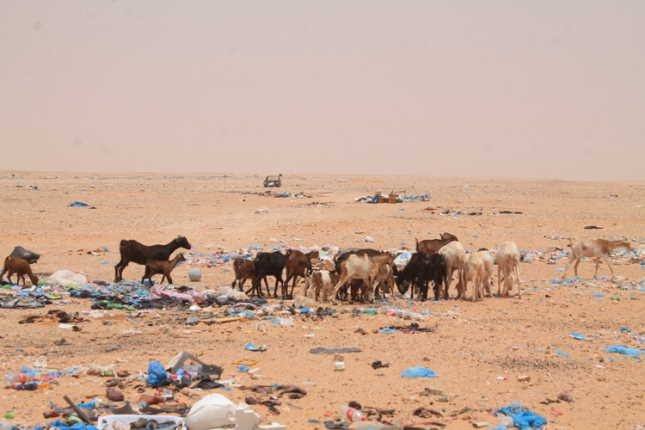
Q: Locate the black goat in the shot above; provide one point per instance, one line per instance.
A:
(133, 251)
(421, 269)
(268, 264)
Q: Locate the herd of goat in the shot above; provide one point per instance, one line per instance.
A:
(364, 274)
(356, 274)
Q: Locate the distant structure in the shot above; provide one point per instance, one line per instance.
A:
(273, 181)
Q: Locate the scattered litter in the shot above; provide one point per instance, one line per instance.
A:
(379, 365)
(78, 205)
(620, 349)
(418, 372)
(578, 336)
(394, 197)
(251, 347)
(334, 350)
(523, 418)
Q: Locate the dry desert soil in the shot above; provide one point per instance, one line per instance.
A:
(486, 354)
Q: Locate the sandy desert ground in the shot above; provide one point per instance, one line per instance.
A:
(478, 349)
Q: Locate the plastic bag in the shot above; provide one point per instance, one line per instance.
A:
(156, 374)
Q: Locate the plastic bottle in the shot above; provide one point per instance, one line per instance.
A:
(350, 414)
(339, 363)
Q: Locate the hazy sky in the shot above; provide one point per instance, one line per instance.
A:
(543, 88)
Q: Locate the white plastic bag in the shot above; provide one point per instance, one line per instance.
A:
(215, 412)
(67, 278)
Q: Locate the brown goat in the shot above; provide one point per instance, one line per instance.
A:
(136, 252)
(21, 268)
(432, 246)
(244, 269)
(162, 267)
(298, 265)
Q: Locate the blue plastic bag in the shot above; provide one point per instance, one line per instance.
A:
(523, 418)
(619, 349)
(578, 336)
(418, 372)
(156, 374)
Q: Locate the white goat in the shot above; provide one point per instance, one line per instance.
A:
(598, 249)
(323, 282)
(362, 267)
(474, 271)
(489, 262)
(507, 259)
(455, 256)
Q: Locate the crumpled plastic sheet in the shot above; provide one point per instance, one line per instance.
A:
(523, 418)
(192, 296)
(620, 349)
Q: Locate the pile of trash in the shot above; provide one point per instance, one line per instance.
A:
(149, 411)
(394, 198)
(27, 379)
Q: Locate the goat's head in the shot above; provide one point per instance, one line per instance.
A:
(313, 254)
(401, 284)
(182, 242)
(448, 236)
(180, 257)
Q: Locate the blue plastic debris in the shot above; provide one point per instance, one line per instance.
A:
(598, 295)
(619, 349)
(60, 425)
(561, 353)
(387, 330)
(243, 368)
(251, 347)
(78, 205)
(418, 372)
(626, 329)
(523, 418)
(578, 336)
(156, 374)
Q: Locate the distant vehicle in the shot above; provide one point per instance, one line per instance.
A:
(273, 181)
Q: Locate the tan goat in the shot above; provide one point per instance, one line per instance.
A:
(597, 249)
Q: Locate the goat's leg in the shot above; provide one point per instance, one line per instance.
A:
(338, 286)
(122, 268)
(460, 286)
(293, 287)
(4, 270)
(168, 278)
(575, 267)
(118, 269)
(519, 281)
(499, 280)
(256, 286)
(446, 283)
(595, 273)
(609, 265)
